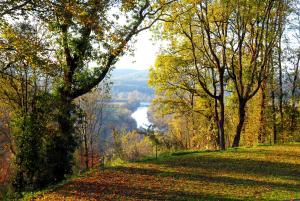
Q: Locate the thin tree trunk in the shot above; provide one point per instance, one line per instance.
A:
(92, 151)
(86, 150)
(193, 118)
(222, 112)
(294, 108)
(155, 151)
(26, 92)
(242, 115)
(216, 117)
(187, 137)
(280, 84)
(273, 103)
(274, 116)
(81, 153)
(220, 115)
(262, 118)
(221, 124)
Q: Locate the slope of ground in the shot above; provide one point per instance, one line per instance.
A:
(262, 173)
(128, 80)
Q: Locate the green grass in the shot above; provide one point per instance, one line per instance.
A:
(259, 173)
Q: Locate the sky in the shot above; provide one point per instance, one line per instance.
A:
(144, 53)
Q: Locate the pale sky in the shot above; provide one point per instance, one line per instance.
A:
(144, 53)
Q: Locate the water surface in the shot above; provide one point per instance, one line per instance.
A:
(140, 115)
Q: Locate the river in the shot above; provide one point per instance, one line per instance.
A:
(140, 115)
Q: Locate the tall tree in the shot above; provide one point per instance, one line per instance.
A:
(202, 28)
(293, 61)
(180, 99)
(273, 104)
(253, 35)
(93, 105)
(23, 69)
(226, 39)
(86, 40)
(280, 69)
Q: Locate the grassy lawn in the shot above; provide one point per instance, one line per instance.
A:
(261, 173)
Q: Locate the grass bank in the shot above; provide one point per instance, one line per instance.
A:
(260, 173)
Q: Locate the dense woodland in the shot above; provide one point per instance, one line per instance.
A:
(227, 75)
(230, 74)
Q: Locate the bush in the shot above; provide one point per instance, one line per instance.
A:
(43, 154)
(131, 146)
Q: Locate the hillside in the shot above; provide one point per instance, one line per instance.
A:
(128, 80)
(261, 173)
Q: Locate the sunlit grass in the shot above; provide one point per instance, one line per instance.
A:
(260, 173)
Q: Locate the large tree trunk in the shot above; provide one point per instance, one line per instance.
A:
(242, 115)
(65, 143)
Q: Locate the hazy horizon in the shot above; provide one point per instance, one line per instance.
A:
(144, 53)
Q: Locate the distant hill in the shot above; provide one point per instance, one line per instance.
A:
(125, 74)
(130, 80)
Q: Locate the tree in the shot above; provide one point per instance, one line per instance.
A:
(24, 70)
(254, 32)
(8, 7)
(93, 105)
(273, 105)
(87, 32)
(180, 99)
(7, 150)
(199, 30)
(225, 43)
(86, 39)
(293, 60)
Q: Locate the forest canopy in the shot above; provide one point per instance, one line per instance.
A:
(232, 65)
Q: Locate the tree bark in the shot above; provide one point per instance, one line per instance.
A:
(86, 149)
(220, 115)
(242, 115)
(280, 84)
(217, 121)
(274, 117)
(221, 124)
(222, 110)
(66, 144)
(273, 103)
(262, 118)
(92, 151)
(294, 85)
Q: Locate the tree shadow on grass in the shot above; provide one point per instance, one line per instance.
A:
(123, 181)
(87, 191)
(222, 180)
(265, 152)
(238, 165)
